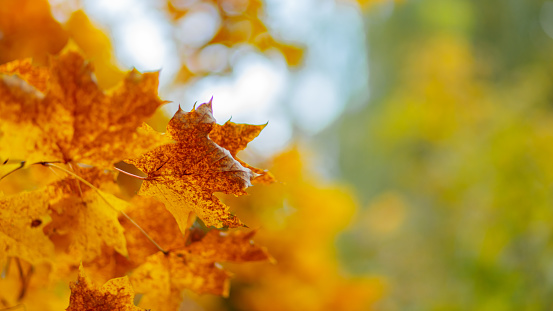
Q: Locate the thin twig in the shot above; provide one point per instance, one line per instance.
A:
(144, 232)
(14, 170)
(14, 307)
(24, 279)
(22, 165)
(107, 202)
(129, 174)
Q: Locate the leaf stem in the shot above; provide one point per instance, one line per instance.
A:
(25, 278)
(14, 170)
(18, 306)
(127, 173)
(21, 165)
(107, 202)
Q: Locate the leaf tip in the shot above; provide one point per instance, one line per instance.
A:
(82, 274)
(272, 260)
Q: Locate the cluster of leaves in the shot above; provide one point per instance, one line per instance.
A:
(56, 116)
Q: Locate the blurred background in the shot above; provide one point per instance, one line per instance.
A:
(412, 140)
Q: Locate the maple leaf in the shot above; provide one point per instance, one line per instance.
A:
(25, 286)
(162, 228)
(194, 267)
(116, 294)
(235, 137)
(58, 113)
(84, 219)
(87, 222)
(185, 174)
(22, 218)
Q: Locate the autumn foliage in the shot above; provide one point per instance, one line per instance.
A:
(99, 211)
(57, 116)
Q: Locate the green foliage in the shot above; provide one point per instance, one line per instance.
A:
(460, 128)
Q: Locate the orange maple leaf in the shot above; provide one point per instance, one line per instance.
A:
(58, 113)
(235, 137)
(116, 294)
(195, 267)
(185, 174)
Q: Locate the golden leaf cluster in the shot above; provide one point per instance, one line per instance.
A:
(58, 117)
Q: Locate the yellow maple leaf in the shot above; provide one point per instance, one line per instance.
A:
(185, 174)
(162, 228)
(195, 267)
(58, 113)
(116, 294)
(31, 287)
(22, 218)
(84, 219)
